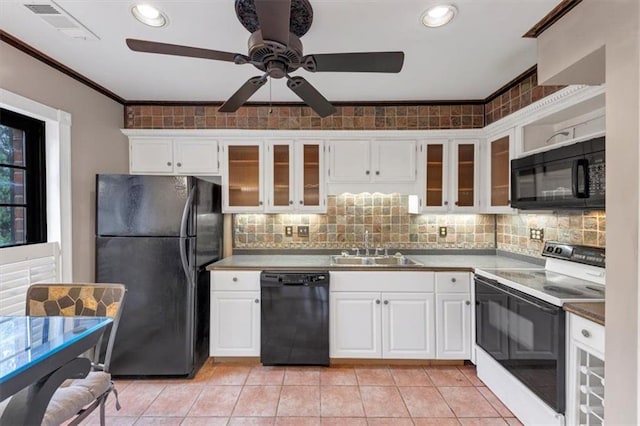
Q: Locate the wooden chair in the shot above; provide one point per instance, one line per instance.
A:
(77, 398)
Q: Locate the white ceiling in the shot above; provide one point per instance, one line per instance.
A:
(470, 58)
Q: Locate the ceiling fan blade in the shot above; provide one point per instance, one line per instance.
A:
(355, 62)
(273, 16)
(179, 50)
(243, 94)
(311, 96)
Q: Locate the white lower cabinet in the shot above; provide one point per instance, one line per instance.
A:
(235, 313)
(355, 325)
(585, 372)
(387, 325)
(453, 315)
(408, 325)
(382, 314)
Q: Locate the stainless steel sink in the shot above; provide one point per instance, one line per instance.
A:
(337, 260)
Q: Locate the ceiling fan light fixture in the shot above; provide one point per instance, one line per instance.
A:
(149, 15)
(438, 15)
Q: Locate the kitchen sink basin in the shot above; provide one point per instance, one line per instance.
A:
(372, 260)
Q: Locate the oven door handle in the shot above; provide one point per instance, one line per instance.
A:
(492, 283)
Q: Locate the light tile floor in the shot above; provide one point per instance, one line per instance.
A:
(230, 394)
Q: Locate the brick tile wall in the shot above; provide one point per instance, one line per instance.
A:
(385, 216)
(584, 228)
(406, 117)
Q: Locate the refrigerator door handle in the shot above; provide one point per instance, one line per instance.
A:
(183, 236)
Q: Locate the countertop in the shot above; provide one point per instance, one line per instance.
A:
(590, 311)
(440, 262)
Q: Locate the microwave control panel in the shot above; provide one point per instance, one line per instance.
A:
(597, 179)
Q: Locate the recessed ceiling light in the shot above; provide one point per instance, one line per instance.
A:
(149, 15)
(438, 15)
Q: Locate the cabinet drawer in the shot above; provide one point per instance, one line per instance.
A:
(396, 281)
(587, 333)
(235, 280)
(453, 282)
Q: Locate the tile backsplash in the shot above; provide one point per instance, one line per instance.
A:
(585, 228)
(348, 216)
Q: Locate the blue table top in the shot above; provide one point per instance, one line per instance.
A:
(26, 341)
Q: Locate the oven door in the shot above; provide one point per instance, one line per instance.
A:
(525, 335)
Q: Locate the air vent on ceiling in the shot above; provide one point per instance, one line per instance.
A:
(60, 19)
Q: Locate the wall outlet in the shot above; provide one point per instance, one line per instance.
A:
(536, 234)
(288, 231)
(303, 231)
(442, 231)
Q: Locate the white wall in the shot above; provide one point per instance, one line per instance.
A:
(563, 52)
(97, 145)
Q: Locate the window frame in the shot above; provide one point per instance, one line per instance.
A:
(36, 177)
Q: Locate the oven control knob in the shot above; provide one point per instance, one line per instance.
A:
(558, 250)
(550, 249)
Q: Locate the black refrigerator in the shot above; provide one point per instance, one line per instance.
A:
(156, 235)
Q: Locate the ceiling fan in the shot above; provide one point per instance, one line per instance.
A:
(275, 48)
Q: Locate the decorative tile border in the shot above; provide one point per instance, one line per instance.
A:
(400, 117)
(515, 96)
(348, 216)
(585, 228)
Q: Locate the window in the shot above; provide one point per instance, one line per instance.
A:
(23, 215)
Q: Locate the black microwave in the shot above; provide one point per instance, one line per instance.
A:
(569, 177)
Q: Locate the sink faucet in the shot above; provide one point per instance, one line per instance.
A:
(366, 242)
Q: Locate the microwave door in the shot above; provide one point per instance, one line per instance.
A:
(557, 186)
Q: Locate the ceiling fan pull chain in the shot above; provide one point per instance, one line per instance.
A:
(270, 100)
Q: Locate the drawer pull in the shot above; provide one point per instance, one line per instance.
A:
(257, 301)
(377, 301)
(585, 333)
(467, 302)
(234, 279)
(386, 302)
(168, 163)
(453, 280)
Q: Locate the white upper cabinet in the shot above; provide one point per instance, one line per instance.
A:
(465, 175)
(173, 156)
(242, 178)
(310, 191)
(350, 161)
(496, 158)
(377, 161)
(450, 175)
(195, 156)
(279, 178)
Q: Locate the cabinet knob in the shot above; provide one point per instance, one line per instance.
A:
(386, 302)
(446, 203)
(585, 333)
(467, 302)
(234, 279)
(168, 163)
(367, 172)
(290, 202)
(453, 280)
(179, 164)
(377, 301)
(456, 203)
(259, 203)
(377, 172)
(301, 202)
(257, 301)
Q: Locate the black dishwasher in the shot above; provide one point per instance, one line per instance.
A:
(294, 318)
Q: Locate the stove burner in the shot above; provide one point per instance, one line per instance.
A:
(562, 291)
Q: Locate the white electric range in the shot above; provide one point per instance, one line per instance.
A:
(521, 327)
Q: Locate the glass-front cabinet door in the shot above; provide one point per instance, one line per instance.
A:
(310, 192)
(497, 182)
(434, 156)
(465, 174)
(242, 177)
(280, 176)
